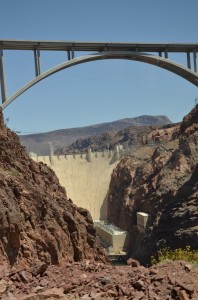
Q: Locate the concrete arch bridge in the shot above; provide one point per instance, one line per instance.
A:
(151, 53)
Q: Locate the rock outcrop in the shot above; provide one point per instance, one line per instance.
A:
(162, 182)
(129, 137)
(39, 143)
(38, 223)
(89, 280)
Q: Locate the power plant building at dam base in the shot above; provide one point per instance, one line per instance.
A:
(86, 177)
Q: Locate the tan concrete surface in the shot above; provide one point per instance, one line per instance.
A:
(86, 178)
(116, 240)
(142, 220)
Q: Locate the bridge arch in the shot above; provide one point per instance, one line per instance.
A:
(158, 61)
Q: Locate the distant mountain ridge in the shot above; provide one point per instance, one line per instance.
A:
(40, 143)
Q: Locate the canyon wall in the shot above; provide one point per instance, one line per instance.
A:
(37, 220)
(162, 182)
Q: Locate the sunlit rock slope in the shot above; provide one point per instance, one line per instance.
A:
(37, 220)
(162, 182)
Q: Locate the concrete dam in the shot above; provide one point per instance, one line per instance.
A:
(86, 177)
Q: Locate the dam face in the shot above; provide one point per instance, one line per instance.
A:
(86, 177)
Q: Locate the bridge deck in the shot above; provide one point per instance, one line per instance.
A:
(97, 46)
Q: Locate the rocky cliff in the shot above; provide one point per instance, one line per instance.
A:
(39, 143)
(130, 137)
(163, 182)
(37, 220)
(50, 243)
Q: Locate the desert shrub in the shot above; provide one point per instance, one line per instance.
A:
(166, 254)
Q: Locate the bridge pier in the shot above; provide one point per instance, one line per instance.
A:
(195, 61)
(2, 78)
(188, 60)
(72, 52)
(68, 55)
(37, 62)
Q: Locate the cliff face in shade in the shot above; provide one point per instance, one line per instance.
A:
(37, 220)
(162, 182)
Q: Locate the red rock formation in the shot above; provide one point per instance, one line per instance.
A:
(37, 220)
(90, 280)
(45, 237)
(163, 184)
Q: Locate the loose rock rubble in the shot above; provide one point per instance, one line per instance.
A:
(91, 280)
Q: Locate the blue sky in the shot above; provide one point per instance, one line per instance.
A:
(98, 91)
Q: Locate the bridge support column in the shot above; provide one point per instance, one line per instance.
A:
(68, 55)
(2, 78)
(188, 60)
(72, 52)
(195, 61)
(37, 62)
(166, 53)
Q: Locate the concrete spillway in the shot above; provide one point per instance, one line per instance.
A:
(86, 177)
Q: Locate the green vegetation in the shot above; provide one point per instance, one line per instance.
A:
(166, 254)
